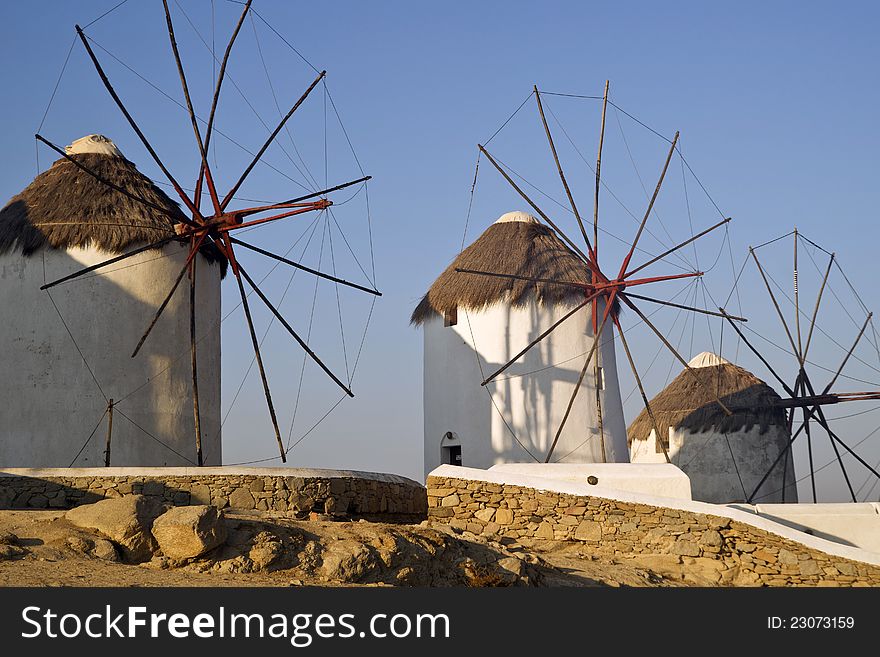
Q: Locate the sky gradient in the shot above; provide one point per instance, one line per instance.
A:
(776, 104)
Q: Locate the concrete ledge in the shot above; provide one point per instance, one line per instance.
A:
(662, 479)
(205, 472)
(295, 491)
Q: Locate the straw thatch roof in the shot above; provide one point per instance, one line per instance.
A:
(515, 244)
(686, 404)
(65, 207)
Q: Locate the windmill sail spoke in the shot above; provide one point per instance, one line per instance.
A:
(192, 115)
(638, 236)
(794, 349)
(676, 248)
(810, 454)
(577, 215)
(302, 343)
(757, 353)
(599, 176)
(197, 418)
(684, 307)
(259, 358)
(577, 386)
(674, 352)
(824, 422)
(781, 455)
(220, 76)
(849, 353)
(574, 247)
(818, 410)
(816, 308)
(269, 141)
(304, 268)
(193, 251)
(177, 188)
(661, 440)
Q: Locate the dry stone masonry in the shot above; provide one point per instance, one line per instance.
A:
(297, 491)
(727, 551)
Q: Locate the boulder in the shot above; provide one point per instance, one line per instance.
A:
(124, 520)
(186, 532)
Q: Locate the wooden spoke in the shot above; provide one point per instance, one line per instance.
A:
(293, 333)
(638, 236)
(259, 358)
(303, 267)
(797, 303)
(271, 138)
(848, 354)
(580, 380)
(794, 349)
(816, 309)
(676, 248)
(327, 191)
(574, 247)
(193, 251)
(192, 115)
(534, 342)
(177, 188)
(757, 353)
(683, 307)
(810, 453)
(220, 77)
(674, 352)
(818, 409)
(824, 422)
(197, 420)
(784, 451)
(577, 215)
(661, 440)
(599, 175)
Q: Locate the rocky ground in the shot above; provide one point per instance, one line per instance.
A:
(128, 542)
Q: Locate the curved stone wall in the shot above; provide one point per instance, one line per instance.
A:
(286, 490)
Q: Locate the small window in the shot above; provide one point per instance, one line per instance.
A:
(600, 379)
(450, 317)
(452, 454)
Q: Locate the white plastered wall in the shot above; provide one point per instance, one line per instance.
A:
(51, 402)
(457, 358)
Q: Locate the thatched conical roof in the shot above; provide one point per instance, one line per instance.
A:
(515, 244)
(687, 404)
(65, 207)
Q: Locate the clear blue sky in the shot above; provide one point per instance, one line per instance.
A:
(776, 102)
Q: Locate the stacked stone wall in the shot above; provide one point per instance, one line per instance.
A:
(383, 497)
(727, 551)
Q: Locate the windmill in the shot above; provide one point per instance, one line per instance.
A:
(804, 402)
(610, 288)
(198, 227)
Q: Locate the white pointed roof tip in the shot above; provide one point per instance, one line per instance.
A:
(516, 216)
(93, 144)
(707, 359)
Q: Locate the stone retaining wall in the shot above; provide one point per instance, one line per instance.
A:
(727, 551)
(299, 492)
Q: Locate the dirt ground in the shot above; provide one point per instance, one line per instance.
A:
(44, 549)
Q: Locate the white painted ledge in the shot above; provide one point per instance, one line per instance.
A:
(222, 471)
(662, 479)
